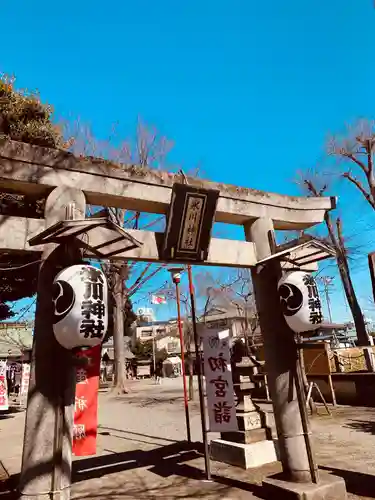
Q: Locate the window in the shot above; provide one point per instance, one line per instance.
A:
(146, 333)
(172, 346)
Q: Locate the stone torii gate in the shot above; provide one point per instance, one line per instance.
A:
(62, 179)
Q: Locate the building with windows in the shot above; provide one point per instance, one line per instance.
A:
(145, 331)
(236, 320)
(163, 333)
(166, 336)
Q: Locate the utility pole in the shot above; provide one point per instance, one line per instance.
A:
(327, 284)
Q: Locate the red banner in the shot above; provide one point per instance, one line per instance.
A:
(86, 403)
(4, 403)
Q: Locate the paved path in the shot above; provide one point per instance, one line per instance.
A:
(140, 454)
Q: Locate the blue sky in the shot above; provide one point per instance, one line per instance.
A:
(249, 90)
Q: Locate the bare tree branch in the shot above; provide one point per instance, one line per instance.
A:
(359, 185)
(337, 240)
(146, 279)
(351, 157)
(148, 149)
(358, 148)
(140, 277)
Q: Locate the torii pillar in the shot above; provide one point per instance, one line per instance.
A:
(281, 358)
(47, 446)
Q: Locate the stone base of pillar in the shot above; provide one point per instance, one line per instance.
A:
(328, 488)
(244, 455)
(249, 436)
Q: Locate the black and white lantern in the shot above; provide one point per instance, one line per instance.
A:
(80, 297)
(300, 301)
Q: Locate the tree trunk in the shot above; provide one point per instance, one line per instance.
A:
(118, 334)
(360, 325)
(246, 331)
(342, 262)
(359, 322)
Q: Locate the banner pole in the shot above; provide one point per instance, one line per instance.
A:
(200, 377)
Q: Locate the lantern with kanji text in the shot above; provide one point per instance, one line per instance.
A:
(80, 298)
(300, 301)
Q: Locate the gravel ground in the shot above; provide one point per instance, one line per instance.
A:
(142, 454)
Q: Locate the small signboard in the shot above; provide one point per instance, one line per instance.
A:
(219, 381)
(190, 221)
(4, 402)
(86, 403)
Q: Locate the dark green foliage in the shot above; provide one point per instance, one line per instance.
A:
(129, 316)
(143, 350)
(24, 118)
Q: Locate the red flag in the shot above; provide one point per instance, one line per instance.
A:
(86, 403)
(158, 299)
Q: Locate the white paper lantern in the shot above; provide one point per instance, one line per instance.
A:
(300, 301)
(80, 297)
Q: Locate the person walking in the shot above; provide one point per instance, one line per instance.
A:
(158, 371)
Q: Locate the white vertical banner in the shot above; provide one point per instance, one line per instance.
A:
(219, 381)
(4, 402)
(24, 388)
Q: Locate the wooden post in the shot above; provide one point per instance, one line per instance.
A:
(333, 395)
(338, 365)
(47, 447)
(266, 387)
(368, 354)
